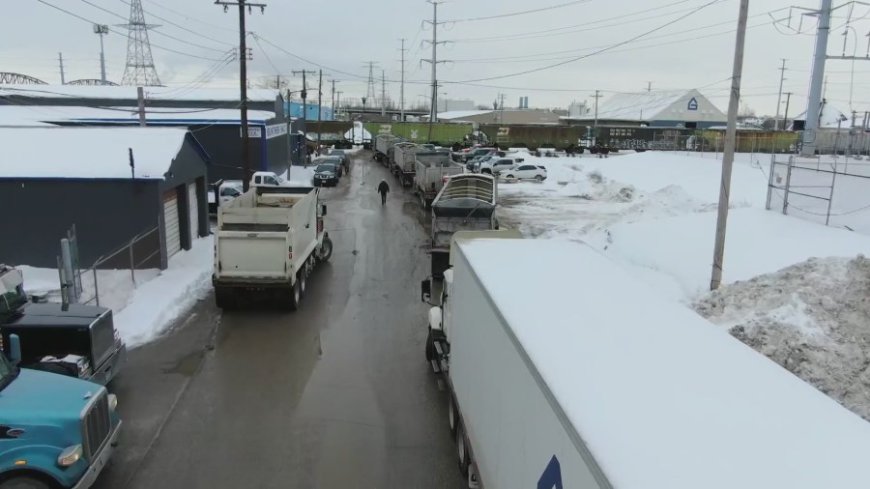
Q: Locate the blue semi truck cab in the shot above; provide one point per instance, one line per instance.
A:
(56, 431)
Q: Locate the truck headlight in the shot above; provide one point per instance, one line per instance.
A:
(69, 455)
(113, 401)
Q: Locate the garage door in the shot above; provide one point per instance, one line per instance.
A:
(170, 219)
(192, 204)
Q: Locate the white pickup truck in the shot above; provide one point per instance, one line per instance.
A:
(267, 242)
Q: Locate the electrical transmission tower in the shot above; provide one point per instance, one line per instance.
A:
(139, 70)
(370, 92)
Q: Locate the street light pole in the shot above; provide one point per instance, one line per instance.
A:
(101, 30)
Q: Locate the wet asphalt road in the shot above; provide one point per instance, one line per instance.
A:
(335, 395)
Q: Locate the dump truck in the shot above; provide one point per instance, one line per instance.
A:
(432, 170)
(268, 241)
(467, 202)
(383, 146)
(402, 162)
(562, 369)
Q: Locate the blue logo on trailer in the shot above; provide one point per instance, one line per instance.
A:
(552, 476)
(693, 104)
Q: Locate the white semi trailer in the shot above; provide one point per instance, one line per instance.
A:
(565, 372)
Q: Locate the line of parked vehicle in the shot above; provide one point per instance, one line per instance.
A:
(58, 422)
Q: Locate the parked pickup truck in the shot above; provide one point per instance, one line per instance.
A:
(564, 370)
(56, 432)
(267, 242)
(74, 339)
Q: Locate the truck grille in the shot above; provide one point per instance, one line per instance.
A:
(96, 425)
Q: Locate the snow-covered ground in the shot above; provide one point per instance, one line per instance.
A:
(145, 310)
(793, 289)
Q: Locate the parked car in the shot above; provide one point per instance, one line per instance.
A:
(525, 172)
(326, 175)
(547, 151)
(344, 157)
(497, 166)
(331, 160)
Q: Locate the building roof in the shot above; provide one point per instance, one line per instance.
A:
(830, 117)
(461, 114)
(654, 105)
(60, 152)
(47, 115)
(661, 397)
(129, 93)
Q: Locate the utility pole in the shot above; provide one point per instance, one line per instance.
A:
(62, 74)
(319, 108)
(337, 102)
(648, 87)
(402, 86)
(243, 80)
(595, 120)
(304, 92)
(808, 148)
(140, 96)
(433, 106)
(730, 143)
(785, 117)
(101, 30)
(383, 93)
(779, 98)
(333, 99)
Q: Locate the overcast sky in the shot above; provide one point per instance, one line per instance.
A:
(692, 47)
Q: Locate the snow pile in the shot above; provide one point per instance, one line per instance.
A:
(789, 300)
(299, 175)
(159, 302)
(116, 287)
(811, 318)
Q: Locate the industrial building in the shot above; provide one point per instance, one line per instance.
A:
(501, 116)
(112, 184)
(681, 108)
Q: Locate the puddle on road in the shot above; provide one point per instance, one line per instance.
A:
(187, 365)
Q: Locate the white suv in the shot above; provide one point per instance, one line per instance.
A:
(495, 167)
(525, 172)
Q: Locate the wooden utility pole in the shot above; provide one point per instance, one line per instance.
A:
(62, 73)
(730, 142)
(383, 93)
(779, 98)
(140, 95)
(785, 116)
(243, 81)
(333, 99)
(319, 107)
(402, 86)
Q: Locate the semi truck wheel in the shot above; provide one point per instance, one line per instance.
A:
(24, 482)
(430, 347)
(325, 249)
(451, 414)
(303, 282)
(293, 297)
(222, 298)
(462, 451)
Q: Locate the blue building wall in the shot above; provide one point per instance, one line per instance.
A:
(295, 111)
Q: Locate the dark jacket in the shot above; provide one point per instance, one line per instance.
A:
(383, 187)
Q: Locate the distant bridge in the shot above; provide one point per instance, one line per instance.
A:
(92, 82)
(9, 78)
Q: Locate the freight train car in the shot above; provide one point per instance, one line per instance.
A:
(444, 134)
(534, 136)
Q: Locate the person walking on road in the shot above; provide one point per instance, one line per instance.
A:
(383, 189)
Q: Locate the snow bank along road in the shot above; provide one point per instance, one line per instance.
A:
(334, 395)
(794, 290)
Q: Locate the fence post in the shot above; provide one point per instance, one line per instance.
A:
(66, 262)
(96, 287)
(770, 181)
(72, 234)
(64, 291)
(132, 262)
(787, 185)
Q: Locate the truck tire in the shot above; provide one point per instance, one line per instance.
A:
(302, 279)
(293, 297)
(451, 414)
(325, 250)
(430, 347)
(222, 298)
(462, 451)
(24, 482)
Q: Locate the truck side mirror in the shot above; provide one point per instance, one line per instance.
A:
(426, 290)
(323, 210)
(14, 349)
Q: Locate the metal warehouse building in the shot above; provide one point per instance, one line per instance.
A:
(111, 183)
(681, 108)
(218, 130)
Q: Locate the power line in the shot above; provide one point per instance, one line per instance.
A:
(179, 26)
(186, 17)
(514, 14)
(182, 53)
(155, 32)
